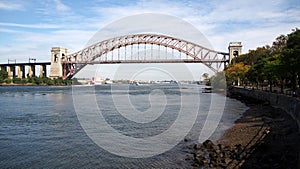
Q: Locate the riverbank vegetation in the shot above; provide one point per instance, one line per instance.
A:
(5, 80)
(276, 66)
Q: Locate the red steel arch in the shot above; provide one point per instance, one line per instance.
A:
(73, 63)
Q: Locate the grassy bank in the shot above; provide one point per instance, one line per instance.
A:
(35, 81)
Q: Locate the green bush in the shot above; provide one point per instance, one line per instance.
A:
(35, 80)
(7, 80)
(31, 80)
(24, 81)
(17, 80)
(3, 75)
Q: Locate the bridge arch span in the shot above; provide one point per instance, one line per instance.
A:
(73, 63)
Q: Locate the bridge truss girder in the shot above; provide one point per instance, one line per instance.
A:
(73, 63)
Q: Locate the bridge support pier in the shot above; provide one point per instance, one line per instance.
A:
(43, 71)
(58, 55)
(13, 68)
(29, 74)
(19, 72)
(8, 71)
(23, 71)
(31, 71)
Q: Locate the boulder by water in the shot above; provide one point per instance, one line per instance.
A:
(211, 155)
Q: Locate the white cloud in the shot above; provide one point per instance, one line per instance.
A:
(220, 21)
(251, 38)
(54, 10)
(60, 6)
(37, 26)
(38, 45)
(254, 23)
(4, 30)
(151, 23)
(11, 5)
(111, 13)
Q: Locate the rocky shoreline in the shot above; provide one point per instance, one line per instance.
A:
(264, 137)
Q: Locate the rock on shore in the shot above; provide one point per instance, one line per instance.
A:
(264, 137)
(211, 155)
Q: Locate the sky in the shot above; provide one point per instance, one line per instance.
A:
(30, 28)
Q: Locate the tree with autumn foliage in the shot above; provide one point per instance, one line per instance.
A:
(236, 73)
(276, 65)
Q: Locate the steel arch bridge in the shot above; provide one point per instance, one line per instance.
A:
(143, 48)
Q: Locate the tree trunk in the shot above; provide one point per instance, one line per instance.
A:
(294, 82)
(281, 86)
(271, 85)
(298, 76)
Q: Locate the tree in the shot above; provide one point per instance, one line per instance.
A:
(271, 69)
(279, 63)
(279, 44)
(218, 81)
(253, 56)
(237, 72)
(3, 75)
(267, 65)
(290, 57)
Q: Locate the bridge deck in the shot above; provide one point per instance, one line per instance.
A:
(26, 64)
(148, 61)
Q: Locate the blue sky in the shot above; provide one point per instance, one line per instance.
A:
(30, 28)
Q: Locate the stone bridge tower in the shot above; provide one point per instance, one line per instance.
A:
(57, 56)
(235, 49)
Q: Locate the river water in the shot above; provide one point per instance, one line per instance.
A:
(40, 126)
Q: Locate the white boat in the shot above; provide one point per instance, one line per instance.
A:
(96, 81)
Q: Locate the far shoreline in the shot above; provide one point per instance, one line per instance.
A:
(3, 85)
